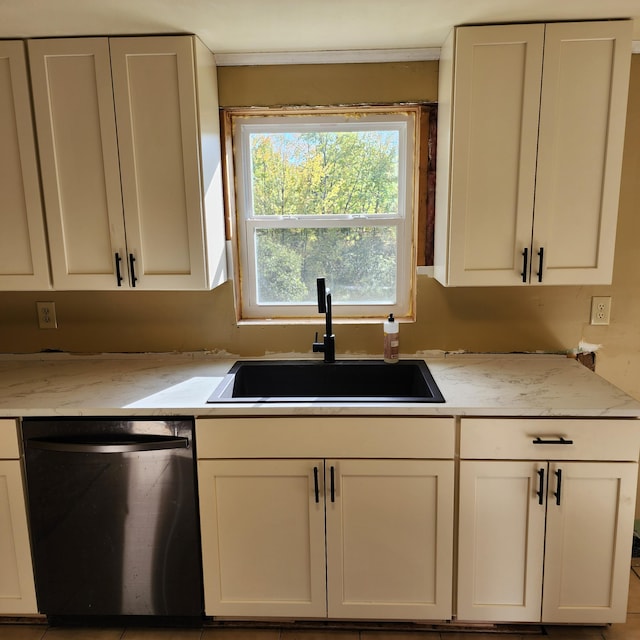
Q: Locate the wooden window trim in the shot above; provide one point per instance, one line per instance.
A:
(427, 185)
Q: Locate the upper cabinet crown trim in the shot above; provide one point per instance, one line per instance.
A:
(355, 56)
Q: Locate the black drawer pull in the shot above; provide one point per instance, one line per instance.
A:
(559, 440)
(132, 269)
(333, 484)
(540, 491)
(558, 491)
(119, 277)
(525, 261)
(316, 485)
(541, 254)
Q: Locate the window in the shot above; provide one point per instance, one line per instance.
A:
(325, 195)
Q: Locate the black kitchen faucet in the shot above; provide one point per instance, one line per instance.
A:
(328, 345)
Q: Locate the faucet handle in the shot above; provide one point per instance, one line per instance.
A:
(322, 295)
(317, 347)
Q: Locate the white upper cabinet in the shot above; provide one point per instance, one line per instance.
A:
(130, 158)
(531, 132)
(23, 249)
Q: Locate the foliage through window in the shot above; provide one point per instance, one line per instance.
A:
(325, 196)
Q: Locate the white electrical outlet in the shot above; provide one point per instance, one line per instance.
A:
(600, 309)
(47, 315)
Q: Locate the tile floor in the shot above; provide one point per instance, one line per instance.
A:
(628, 631)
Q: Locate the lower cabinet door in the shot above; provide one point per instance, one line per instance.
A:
(589, 537)
(17, 591)
(263, 537)
(501, 540)
(389, 538)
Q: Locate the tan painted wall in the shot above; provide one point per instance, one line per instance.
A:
(474, 319)
(312, 84)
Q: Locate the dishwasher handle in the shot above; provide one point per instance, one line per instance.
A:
(126, 444)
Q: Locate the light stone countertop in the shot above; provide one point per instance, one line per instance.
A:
(528, 385)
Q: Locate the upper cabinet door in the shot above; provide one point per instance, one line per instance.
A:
(73, 101)
(23, 252)
(494, 103)
(155, 101)
(582, 123)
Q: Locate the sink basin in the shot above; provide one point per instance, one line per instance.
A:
(317, 381)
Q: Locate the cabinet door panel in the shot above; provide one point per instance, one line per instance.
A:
(501, 541)
(9, 440)
(263, 538)
(582, 122)
(389, 539)
(73, 102)
(589, 538)
(155, 102)
(495, 126)
(17, 591)
(23, 252)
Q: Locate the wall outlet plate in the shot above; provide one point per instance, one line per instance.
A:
(600, 309)
(47, 315)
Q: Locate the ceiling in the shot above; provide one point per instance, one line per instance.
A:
(240, 26)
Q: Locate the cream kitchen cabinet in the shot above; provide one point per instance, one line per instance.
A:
(389, 528)
(17, 589)
(23, 250)
(546, 512)
(387, 552)
(530, 139)
(128, 132)
(263, 538)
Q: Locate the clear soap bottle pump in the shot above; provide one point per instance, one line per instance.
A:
(391, 340)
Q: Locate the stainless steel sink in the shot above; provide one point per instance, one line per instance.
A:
(317, 381)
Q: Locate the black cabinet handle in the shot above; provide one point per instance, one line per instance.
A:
(132, 267)
(119, 277)
(559, 440)
(316, 485)
(540, 264)
(525, 261)
(333, 485)
(540, 491)
(558, 490)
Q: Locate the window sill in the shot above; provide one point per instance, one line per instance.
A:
(273, 322)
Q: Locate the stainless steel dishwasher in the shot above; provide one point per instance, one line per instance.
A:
(114, 518)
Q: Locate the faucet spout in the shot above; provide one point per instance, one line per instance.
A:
(328, 344)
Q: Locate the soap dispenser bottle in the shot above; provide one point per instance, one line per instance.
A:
(391, 340)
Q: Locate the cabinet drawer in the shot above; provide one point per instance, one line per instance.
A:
(8, 440)
(538, 439)
(323, 437)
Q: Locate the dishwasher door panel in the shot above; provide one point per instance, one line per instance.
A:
(114, 520)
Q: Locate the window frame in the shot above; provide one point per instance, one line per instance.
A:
(239, 124)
